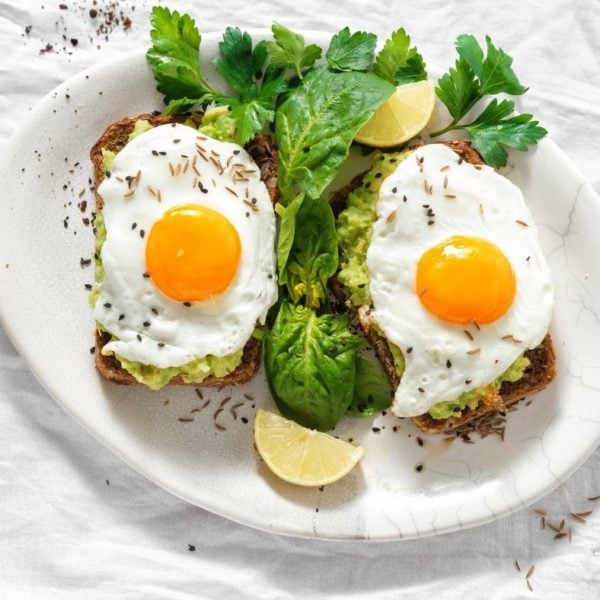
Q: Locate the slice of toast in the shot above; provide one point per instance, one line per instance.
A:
(114, 139)
(536, 377)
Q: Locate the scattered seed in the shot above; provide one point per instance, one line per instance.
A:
(445, 181)
(231, 191)
(129, 194)
(559, 536)
(539, 511)
(445, 168)
(594, 498)
(529, 585)
(423, 292)
(420, 441)
(530, 572)
(171, 169)
(468, 334)
(185, 420)
(522, 223)
(390, 218)
(474, 351)
(450, 196)
(517, 565)
(224, 401)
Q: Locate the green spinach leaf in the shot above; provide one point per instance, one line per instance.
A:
(310, 363)
(316, 124)
(372, 389)
(313, 254)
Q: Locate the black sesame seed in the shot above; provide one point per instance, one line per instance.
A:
(155, 311)
(146, 275)
(154, 152)
(92, 349)
(460, 160)
(162, 153)
(187, 303)
(393, 160)
(448, 364)
(191, 547)
(368, 185)
(142, 233)
(107, 305)
(84, 262)
(161, 344)
(133, 225)
(176, 141)
(87, 286)
(421, 390)
(419, 468)
(247, 214)
(254, 200)
(430, 222)
(121, 317)
(404, 198)
(375, 429)
(468, 381)
(156, 113)
(139, 337)
(107, 174)
(146, 323)
(270, 275)
(236, 152)
(244, 420)
(378, 175)
(409, 350)
(394, 190)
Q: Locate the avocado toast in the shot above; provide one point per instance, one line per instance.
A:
(113, 140)
(532, 374)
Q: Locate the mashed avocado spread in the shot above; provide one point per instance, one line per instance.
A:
(219, 125)
(354, 228)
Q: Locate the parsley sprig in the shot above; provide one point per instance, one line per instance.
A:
(175, 60)
(475, 76)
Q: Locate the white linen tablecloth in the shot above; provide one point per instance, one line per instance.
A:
(76, 522)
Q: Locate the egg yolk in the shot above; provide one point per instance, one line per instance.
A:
(465, 279)
(192, 253)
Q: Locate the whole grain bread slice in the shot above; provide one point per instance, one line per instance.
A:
(114, 138)
(536, 376)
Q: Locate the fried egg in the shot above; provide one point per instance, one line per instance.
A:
(189, 262)
(458, 279)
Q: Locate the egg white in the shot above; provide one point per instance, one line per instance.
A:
(151, 327)
(477, 202)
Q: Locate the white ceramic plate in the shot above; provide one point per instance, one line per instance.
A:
(43, 306)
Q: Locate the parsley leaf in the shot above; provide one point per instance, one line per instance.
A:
(458, 89)
(474, 76)
(398, 62)
(351, 52)
(494, 129)
(174, 56)
(235, 63)
(289, 52)
(493, 71)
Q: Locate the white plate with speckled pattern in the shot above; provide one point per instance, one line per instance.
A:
(43, 306)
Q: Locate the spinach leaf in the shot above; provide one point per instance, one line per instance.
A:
(310, 362)
(287, 232)
(351, 52)
(313, 255)
(316, 124)
(372, 390)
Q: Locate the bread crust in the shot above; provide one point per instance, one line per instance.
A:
(114, 138)
(536, 377)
